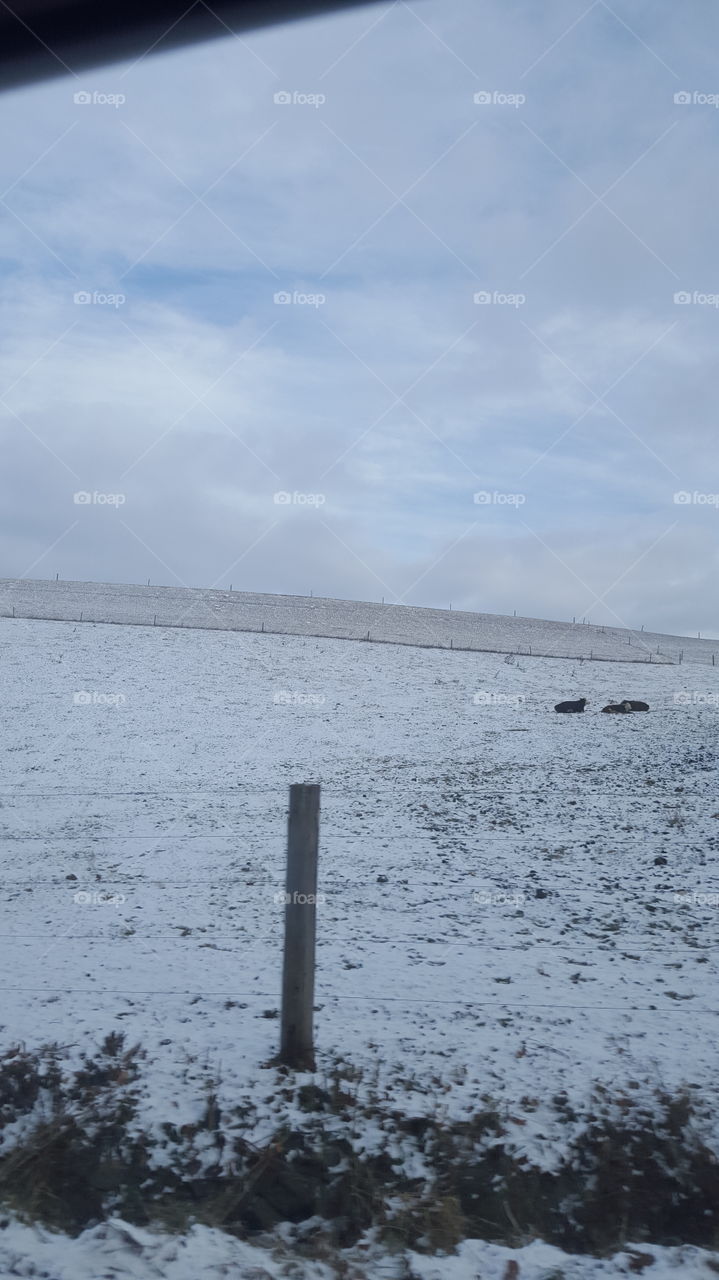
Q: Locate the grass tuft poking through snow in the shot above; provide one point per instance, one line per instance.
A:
(73, 1156)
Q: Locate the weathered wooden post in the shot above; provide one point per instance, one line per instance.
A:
(298, 974)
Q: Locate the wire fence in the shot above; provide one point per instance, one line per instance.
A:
(602, 645)
(628, 944)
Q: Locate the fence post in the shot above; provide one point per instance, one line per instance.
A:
(298, 974)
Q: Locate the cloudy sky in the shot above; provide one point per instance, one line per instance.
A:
(441, 274)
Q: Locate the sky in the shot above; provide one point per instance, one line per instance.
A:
(418, 302)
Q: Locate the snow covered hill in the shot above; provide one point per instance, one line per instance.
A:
(520, 905)
(345, 619)
(516, 904)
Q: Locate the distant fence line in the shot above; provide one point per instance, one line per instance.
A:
(519, 651)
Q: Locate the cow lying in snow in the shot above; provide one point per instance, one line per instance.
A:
(626, 705)
(579, 705)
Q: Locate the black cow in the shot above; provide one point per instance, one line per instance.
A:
(579, 705)
(619, 708)
(638, 706)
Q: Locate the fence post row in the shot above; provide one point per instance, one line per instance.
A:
(298, 973)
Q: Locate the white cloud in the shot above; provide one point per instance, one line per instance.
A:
(397, 396)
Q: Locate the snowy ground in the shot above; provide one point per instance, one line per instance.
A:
(494, 921)
(118, 1250)
(345, 619)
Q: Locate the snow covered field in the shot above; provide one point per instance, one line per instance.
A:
(344, 619)
(516, 903)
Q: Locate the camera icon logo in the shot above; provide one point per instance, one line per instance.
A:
(82, 97)
(82, 297)
(82, 498)
(482, 98)
(283, 498)
(282, 97)
(283, 298)
(682, 98)
(682, 497)
(482, 497)
(82, 698)
(682, 298)
(482, 298)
